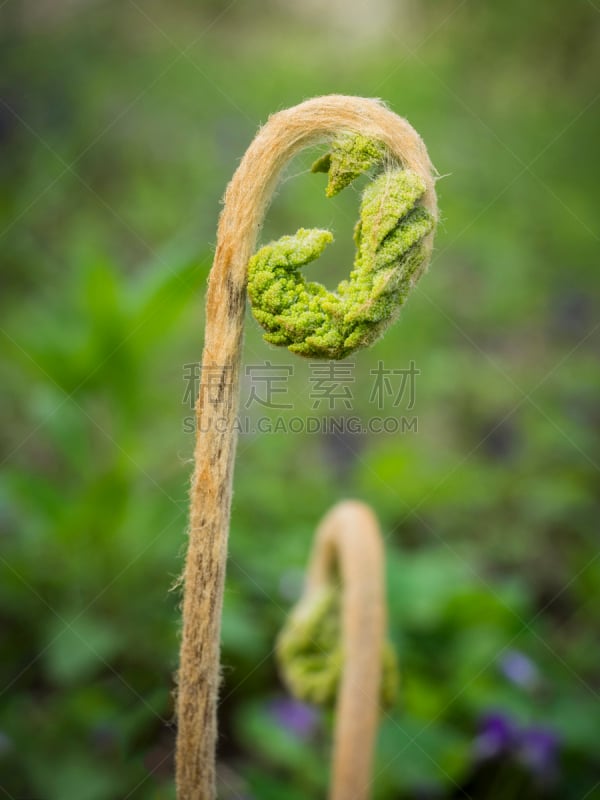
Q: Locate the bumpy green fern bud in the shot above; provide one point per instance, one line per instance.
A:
(390, 256)
(310, 653)
(350, 156)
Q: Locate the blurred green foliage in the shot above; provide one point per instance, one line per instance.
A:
(120, 124)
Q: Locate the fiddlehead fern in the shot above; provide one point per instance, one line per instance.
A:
(246, 199)
(390, 256)
(333, 647)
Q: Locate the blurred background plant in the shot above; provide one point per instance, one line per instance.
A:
(120, 124)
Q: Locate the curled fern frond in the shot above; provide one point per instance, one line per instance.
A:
(310, 652)
(394, 238)
(390, 256)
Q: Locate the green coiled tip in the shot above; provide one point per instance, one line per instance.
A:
(350, 156)
(390, 257)
(311, 658)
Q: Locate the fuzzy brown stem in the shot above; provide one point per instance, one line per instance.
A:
(246, 200)
(349, 542)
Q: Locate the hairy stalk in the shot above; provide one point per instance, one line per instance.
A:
(320, 662)
(246, 199)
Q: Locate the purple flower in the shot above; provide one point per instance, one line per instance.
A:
(299, 718)
(538, 750)
(535, 747)
(497, 734)
(519, 669)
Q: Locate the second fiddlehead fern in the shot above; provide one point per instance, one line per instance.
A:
(333, 648)
(310, 650)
